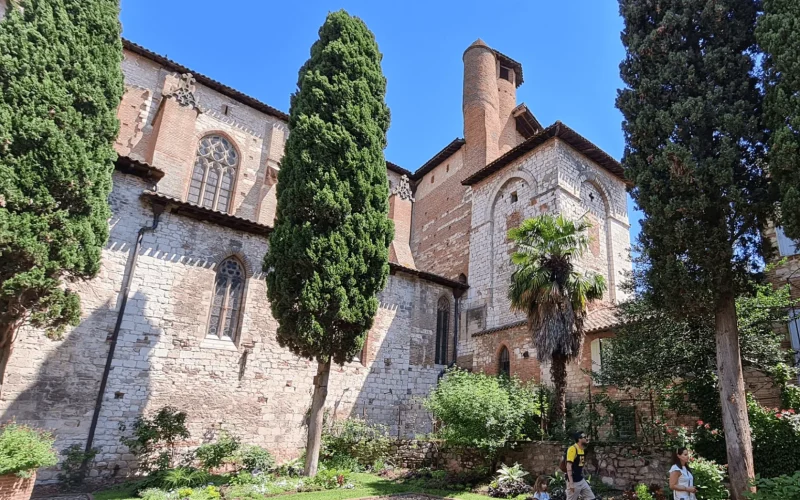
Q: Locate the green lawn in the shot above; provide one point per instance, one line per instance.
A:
(368, 485)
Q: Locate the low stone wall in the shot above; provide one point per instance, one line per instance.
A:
(617, 465)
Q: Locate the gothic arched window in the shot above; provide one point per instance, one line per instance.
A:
(442, 322)
(214, 172)
(504, 363)
(227, 303)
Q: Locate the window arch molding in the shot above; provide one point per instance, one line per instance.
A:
(227, 299)
(214, 173)
(442, 330)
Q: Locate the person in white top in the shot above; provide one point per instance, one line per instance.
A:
(540, 488)
(681, 481)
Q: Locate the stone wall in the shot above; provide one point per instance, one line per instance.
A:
(249, 386)
(617, 465)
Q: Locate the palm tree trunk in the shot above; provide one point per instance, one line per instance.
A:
(558, 371)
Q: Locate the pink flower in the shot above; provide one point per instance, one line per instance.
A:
(708, 426)
(778, 415)
(699, 423)
(715, 432)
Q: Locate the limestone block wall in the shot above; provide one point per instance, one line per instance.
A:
(520, 191)
(250, 386)
(53, 384)
(587, 190)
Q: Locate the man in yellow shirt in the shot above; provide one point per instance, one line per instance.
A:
(577, 486)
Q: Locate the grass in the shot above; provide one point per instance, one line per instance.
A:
(368, 485)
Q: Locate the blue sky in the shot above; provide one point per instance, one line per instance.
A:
(570, 53)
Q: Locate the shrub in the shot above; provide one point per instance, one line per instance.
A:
(777, 488)
(354, 444)
(184, 477)
(255, 458)
(24, 449)
(292, 468)
(773, 432)
(214, 455)
(708, 478)
(153, 440)
(481, 411)
(509, 482)
(643, 492)
(74, 456)
(328, 479)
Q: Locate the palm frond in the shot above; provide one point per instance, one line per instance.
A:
(545, 287)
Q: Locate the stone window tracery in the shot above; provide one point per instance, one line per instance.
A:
(226, 305)
(214, 173)
(442, 322)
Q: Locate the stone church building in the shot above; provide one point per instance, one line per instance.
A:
(180, 309)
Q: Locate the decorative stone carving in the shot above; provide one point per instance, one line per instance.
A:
(403, 189)
(184, 94)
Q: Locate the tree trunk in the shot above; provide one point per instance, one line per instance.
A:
(558, 371)
(732, 395)
(6, 345)
(315, 420)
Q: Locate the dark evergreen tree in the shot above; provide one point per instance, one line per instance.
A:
(778, 33)
(692, 122)
(60, 87)
(328, 255)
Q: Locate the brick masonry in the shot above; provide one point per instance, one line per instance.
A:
(13, 487)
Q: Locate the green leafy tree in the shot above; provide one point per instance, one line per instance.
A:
(778, 33)
(482, 411)
(328, 255)
(60, 86)
(553, 295)
(652, 350)
(692, 125)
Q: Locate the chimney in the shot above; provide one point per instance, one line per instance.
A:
(482, 126)
(400, 202)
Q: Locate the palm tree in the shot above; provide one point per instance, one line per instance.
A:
(548, 289)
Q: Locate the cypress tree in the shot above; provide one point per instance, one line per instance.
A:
(778, 33)
(692, 116)
(328, 255)
(60, 86)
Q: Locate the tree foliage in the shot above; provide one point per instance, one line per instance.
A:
(652, 350)
(553, 295)
(482, 411)
(778, 33)
(60, 86)
(694, 150)
(692, 113)
(328, 255)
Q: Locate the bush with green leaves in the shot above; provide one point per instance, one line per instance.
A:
(509, 482)
(74, 457)
(154, 438)
(643, 492)
(481, 411)
(709, 479)
(216, 454)
(328, 479)
(774, 432)
(24, 449)
(184, 477)
(254, 458)
(785, 487)
(354, 444)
